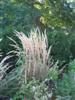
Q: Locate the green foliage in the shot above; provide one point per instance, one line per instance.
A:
(71, 67)
(26, 90)
(60, 45)
(33, 90)
(56, 13)
(53, 72)
(66, 86)
(10, 82)
(15, 15)
(58, 16)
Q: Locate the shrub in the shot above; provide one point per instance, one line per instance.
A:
(71, 66)
(34, 90)
(66, 86)
(59, 39)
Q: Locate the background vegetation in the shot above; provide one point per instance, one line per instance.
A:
(57, 17)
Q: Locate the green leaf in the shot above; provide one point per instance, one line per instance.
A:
(38, 6)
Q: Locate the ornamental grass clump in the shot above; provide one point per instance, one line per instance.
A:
(9, 79)
(4, 67)
(36, 55)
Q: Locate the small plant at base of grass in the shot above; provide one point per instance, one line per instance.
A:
(34, 90)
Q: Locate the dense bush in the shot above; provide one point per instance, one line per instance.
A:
(60, 45)
(15, 16)
(66, 85)
(34, 90)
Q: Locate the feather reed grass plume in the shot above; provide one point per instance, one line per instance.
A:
(36, 54)
(4, 66)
